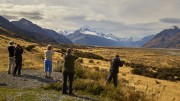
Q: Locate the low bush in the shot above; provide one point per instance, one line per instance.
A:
(58, 68)
(29, 48)
(159, 73)
(80, 60)
(91, 61)
(41, 56)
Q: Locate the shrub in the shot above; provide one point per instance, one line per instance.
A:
(91, 61)
(58, 68)
(55, 86)
(41, 56)
(79, 72)
(96, 68)
(80, 60)
(94, 75)
(30, 47)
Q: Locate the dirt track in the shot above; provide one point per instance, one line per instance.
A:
(29, 79)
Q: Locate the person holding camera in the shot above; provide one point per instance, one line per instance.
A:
(18, 56)
(11, 49)
(48, 60)
(114, 70)
(68, 70)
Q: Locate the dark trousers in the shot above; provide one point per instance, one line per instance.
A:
(18, 67)
(64, 87)
(114, 76)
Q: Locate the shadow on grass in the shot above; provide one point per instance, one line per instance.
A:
(3, 84)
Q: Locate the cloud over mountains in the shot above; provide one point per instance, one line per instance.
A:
(124, 18)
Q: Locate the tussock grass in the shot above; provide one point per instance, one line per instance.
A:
(89, 81)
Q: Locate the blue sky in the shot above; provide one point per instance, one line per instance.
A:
(123, 18)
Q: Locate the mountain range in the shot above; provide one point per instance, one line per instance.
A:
(87, 36)
(168, 38)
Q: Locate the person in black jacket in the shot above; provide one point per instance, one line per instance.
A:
(11, 49)
(114, 70)
(18, 57)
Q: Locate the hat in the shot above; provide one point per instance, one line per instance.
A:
(117, 56)
(11, 42)
(68, 50)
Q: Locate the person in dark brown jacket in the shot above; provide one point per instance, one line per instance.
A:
(114, 70)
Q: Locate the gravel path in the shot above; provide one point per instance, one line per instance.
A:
(33, 79)
(29, 79)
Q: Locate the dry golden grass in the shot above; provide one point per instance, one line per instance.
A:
(166, 91)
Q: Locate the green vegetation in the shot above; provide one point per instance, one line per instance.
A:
(172, 74)
(90, 82)
(80, 60)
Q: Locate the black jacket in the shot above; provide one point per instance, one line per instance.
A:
(115, 64)
(11, 51)
(18, 54)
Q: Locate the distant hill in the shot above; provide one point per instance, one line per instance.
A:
(4, 23)
(28, 25)
(168, 38)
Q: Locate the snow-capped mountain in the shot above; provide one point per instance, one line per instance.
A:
(87, 36)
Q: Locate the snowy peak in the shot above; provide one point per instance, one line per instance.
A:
(86, 28)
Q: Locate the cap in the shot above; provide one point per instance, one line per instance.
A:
(11, 42)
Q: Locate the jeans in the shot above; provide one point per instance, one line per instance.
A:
(114, 76)
(64, 87)
(48, 64)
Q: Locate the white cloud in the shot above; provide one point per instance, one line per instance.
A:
(120, 17)
(95, 17)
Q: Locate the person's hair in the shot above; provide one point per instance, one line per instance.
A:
(69, 50)
(117, 56)
(18, 46)
(49, 47)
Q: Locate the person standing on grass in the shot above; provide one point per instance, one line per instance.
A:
(68, 70)
(114, 70)
(11, 49)
(18, 57)
(48, 60)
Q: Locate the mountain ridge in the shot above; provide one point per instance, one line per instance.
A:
(6, 24)
(162, 39)
(28, 25)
